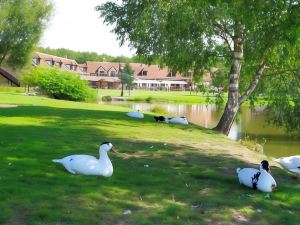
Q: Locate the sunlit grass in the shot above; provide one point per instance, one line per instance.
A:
(190, 178)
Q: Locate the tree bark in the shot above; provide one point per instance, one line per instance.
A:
(253, 84)
(232, 104)
(122, 90)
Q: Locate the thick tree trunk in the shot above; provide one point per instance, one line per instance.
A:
(232, 105)
(122, 90)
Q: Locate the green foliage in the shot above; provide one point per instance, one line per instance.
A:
(82, 57)
(159, 110)
(21, 25)
(198, 35)
(59, 84)
(106, 98)
(126, 76)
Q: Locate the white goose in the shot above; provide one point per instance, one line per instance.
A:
(89, 165)
(291, 163)
(180, 120)
(257, 179)
(136, 114)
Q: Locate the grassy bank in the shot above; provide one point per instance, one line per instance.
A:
(190, 178)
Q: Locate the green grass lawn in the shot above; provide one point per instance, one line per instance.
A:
(146, 95)
(190, 179)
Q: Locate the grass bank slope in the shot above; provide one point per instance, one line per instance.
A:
(190, 178)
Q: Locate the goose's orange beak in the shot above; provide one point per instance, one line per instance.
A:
(114, 150)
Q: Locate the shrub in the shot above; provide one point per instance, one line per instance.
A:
(149, 99)
(59, 84)
(159, 110)
(106, 98)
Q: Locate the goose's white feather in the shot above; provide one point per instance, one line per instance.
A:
(136, 114)
(265, 182)
(291, 162)
(180, 120)
(89, 165)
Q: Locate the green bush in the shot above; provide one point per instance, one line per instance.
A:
(107, 98)
(59, 84)
(159, 110)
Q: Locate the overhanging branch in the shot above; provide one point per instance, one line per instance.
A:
(253, 84)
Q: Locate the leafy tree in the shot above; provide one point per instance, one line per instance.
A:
(257, 40)
(82, 57)
(21, 25)
(126, 77)
(59, 84)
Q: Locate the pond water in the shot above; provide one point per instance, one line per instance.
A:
(248, 124)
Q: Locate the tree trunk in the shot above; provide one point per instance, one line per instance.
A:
(122, 90)
(232, 104)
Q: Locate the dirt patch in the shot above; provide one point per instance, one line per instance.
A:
(239, 218)
(7, 106)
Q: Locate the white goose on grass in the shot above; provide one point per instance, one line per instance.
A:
(291, 163)
(179, 120)
(257, 179)
(136, 114)
(90, 165)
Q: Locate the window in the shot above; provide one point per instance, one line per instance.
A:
(112, 73)
(171, 74)
(57, 64)
(83, 69)
(68, 66)
(143, 73)
(36, 61)
(101, 72)
(49, 62)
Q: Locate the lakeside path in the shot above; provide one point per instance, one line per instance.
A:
(190, 178)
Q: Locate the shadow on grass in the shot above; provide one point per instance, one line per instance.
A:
(180, 185)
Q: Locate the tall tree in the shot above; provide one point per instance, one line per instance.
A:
(261, 35)
(126, 77)
(21, 25)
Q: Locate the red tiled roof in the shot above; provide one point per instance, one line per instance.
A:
(55, 58)
(92, 67)
(97, 78)
(153, 71)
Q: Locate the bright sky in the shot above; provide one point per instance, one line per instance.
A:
(76, 25)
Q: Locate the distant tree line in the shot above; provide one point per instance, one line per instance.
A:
(82, 57)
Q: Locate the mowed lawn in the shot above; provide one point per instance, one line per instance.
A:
(190, 178)
(146, 95)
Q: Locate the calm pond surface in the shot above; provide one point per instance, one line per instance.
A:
(249, 123)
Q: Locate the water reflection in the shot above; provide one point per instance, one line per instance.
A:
(249, 123)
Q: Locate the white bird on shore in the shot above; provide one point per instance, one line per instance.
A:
(257, 179)
(291, 163)
(179, 120)
(90, 165)
(136, 114)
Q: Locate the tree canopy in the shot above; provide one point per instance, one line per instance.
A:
(21, 25)
(126, 77)
(257, 41)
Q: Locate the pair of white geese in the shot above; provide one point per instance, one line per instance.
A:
(179, 120)
(258, 179)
